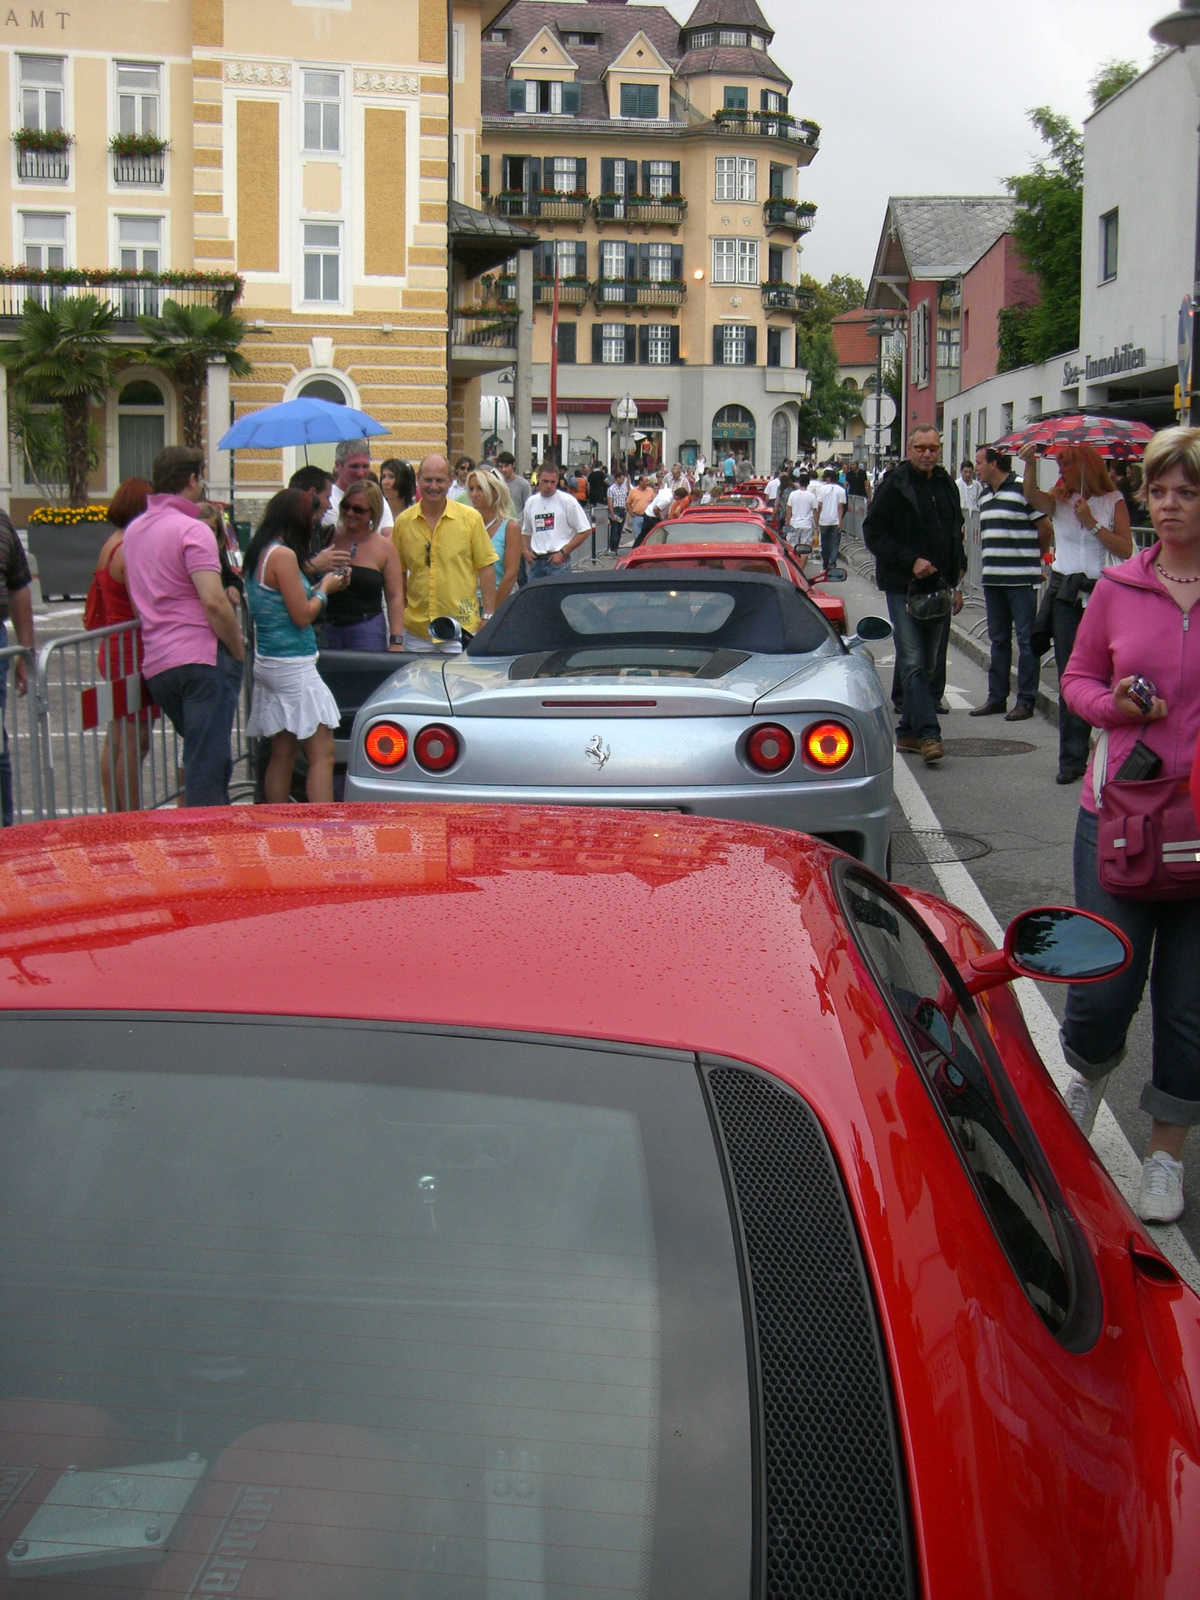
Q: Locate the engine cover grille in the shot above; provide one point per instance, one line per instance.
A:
(835, 1514)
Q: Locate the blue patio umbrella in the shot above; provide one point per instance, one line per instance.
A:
(298, 422)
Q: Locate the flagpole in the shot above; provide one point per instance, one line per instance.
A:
(552, 440)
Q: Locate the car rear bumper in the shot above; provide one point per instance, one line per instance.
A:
(853, 813)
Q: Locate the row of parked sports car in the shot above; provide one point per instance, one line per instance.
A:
(466, 1200)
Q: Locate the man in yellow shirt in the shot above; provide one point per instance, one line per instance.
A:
(448, 562)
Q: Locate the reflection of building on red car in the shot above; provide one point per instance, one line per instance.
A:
(741, 1233)
(747, 544)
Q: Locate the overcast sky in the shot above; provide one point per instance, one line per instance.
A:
(930, 97)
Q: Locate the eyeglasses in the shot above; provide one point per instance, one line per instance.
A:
(356, 511)
(926, 449)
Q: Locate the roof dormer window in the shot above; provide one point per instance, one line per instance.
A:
(757, 42)
(537, 97)
(736, 38)
(703, 39)
(497, 36)
(581, 38)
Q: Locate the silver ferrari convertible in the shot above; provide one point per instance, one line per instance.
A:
(724, 694)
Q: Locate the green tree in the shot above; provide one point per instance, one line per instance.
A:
(1048, 228)
(183, 341)
(848, 292)
(1109, 79)
(827, 405)
(64, 356)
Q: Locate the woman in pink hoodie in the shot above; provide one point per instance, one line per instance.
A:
(1139, 620)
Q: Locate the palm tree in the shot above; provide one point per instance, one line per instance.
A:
(183, 341)
(64, 356)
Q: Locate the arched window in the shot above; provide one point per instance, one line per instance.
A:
(780, 440)
(319, 455)
(733, 433)
(141, 427)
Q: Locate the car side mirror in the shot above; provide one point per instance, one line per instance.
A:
(1055, 944)
(872, 630)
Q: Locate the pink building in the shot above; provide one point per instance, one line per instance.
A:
(997, 280)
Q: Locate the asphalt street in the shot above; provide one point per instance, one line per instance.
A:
(1010, 831)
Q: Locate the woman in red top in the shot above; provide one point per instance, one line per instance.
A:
(127, 739)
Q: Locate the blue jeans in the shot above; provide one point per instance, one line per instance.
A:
(1074, 734)
(1165, 935)
(831, 543)
(543, 567)
(616, 527)
(921, 665)
(197, 699)
(1011, 607)
(370, 634)
(6, 777)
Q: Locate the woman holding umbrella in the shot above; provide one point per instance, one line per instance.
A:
(1091, 532)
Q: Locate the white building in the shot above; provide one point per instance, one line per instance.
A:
(1139, 216)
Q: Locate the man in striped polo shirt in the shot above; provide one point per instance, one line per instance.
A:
(1014, 537)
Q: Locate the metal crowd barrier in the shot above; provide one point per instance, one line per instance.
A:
(87, 739)
(973, 582)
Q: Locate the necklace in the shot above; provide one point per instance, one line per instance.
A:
(1170, 576)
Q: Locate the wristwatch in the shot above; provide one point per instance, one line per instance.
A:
(395, 638)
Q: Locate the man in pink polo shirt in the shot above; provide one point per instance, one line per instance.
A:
(192, 643)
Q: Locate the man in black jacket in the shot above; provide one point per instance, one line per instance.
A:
(914, 531)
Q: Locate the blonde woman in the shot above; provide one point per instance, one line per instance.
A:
(490, 497)
(354, 618)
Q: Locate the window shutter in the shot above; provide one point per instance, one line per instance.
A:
(485, 174)
(643, 339)
(608, 175)
(718, 346)
(570, 99)
(516, 94)
(675, 178)
(533, 174)
(597, 342)
(543, 261)
(581, 173)
(645, 185)
(631, 179)
(511, 169)
(631, 334)
(581, 258)
(675, 358)
(566, 343)
(764, 100)
(751, 347)
(677, 263)
(631, 262)
(641, 264)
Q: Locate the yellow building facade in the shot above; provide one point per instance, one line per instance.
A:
(312, 158)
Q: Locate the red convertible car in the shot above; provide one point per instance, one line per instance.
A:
(444, 1202)
(757, 555)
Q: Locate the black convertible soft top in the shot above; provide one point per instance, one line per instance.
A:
(719, 610)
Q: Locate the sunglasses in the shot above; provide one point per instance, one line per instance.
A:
(356, 511)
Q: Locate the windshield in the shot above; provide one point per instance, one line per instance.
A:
(408, 1314)
(708, 533)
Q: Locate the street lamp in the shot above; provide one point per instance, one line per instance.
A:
(879, 331)
(1181, 30)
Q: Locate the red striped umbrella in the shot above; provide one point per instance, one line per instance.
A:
(1111, 436)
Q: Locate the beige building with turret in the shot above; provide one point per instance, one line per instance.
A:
(317, 168)
(662, 165)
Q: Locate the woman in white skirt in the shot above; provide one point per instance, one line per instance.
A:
(291, 704)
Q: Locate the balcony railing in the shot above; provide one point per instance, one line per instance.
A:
(44, 166)
(144, 171)
(768, 125)
(549, 207)
(485, 328)
(639, 208)
(640, 292)
(129, 298)
(786, 297)
(795, 216)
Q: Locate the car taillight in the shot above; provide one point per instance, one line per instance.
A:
(436, 747)
(770, 748)
(828, 745)
(386, 745)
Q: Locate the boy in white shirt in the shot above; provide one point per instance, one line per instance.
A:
(802, 518)
(552, 525)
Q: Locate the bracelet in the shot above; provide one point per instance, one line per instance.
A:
(323, 597)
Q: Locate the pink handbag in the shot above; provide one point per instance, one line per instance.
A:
(1148, 839)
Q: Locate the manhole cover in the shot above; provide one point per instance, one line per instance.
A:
(988, 747)
(921, 847)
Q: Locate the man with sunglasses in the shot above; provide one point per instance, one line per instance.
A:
(914, 531)
(449, 563)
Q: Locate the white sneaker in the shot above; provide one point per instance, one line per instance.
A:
(1083, 1097)
(1160, 1198)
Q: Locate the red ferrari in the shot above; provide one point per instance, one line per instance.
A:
(452, 1202)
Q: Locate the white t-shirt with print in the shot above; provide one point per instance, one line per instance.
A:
(801, 505)
(552, 522)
